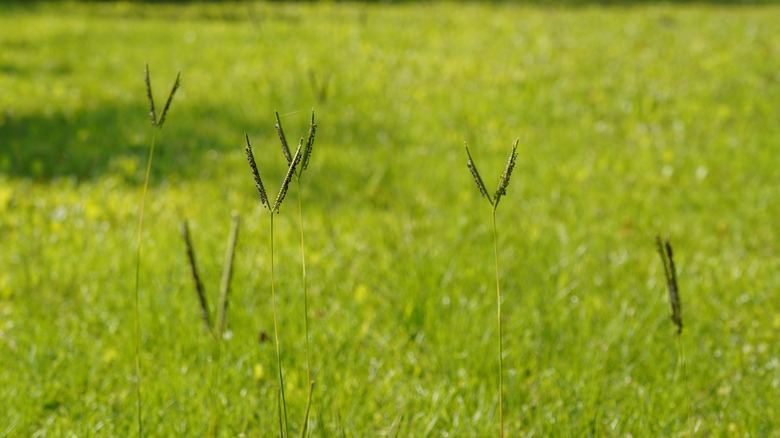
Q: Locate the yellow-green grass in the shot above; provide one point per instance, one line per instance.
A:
(633, 121)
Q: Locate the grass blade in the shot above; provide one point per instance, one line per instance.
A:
(227, 275)
(305, 430)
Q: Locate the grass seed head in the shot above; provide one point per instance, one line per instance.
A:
(283, 139)
(503, 182)
(309, 143)
(170, 99)
(204, 308)
(148, 82)
(287, 178)
(255, 173)
(670, 273)
(477, 179)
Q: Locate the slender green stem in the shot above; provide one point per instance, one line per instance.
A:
(276, 331)
(136, 310)
(216, 377)
(500, 334)
(305, 302)
(680, 375)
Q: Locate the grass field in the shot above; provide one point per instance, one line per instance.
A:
(634, 121)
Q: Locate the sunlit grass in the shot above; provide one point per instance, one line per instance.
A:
(634, 121)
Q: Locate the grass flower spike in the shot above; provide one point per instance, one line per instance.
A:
(255, 173)
(664, 248)
(503, 183)
(287, 178)
(283, 139)
(309, 144)
(477, 178)
(157, 124)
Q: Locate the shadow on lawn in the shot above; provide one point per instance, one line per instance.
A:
(88, 144)
(114, 140)
(81, 144)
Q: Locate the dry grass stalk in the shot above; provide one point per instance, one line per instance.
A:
(204, 308)
(670, 273)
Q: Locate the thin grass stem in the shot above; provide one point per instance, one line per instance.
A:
(305, 430)
(500, 191)
(282, 414)
(305, 305)
(136, 311)
(500, 333)
(156, 125)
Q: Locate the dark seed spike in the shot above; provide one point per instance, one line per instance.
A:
(478, 179)
(148, 82)
(287, 178)
(185, 232)
(170, 99)
(283, 139)
(670, 273)
(255, 173)
(309, 143)
(503, 182)
(299, 169)
(674, 296)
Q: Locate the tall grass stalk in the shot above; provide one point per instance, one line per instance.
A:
(304, 165)
(157, 125)
(284, 429)
(500, 191)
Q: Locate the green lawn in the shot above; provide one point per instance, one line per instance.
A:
(633, 121)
